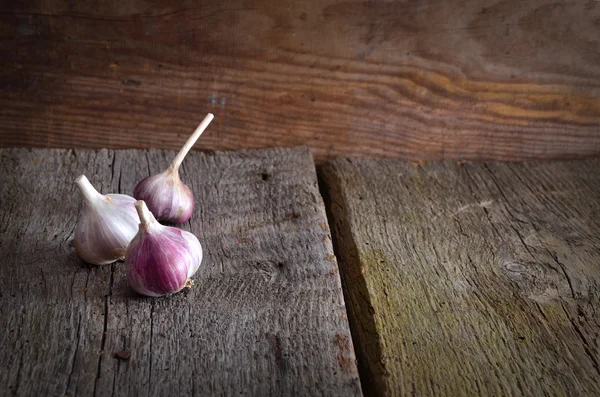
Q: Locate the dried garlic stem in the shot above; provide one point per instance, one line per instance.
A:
(191, 141)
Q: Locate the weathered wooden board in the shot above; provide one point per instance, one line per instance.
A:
(266, 316)
(416, 79)
(470, 279)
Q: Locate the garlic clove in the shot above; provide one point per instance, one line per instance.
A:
(160, 259)
(106, 225)
(169, 199)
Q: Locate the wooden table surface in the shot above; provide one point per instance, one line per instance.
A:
(414, 79)
(266, 316)
(475, 279)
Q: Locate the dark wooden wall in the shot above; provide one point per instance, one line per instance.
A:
(413, 79)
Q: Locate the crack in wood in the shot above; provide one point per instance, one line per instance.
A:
(120, 178)
(78, 333)
(586, 345)
(150, 356)
(15, 391)
(112, 168)
(107, 298)
(85, 290)
(148, 162)
(564, 271)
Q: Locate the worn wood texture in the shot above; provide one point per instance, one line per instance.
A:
(266, 316)
(416, 79)
(470, 279)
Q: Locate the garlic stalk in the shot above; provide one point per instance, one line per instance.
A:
(161, 259)
(106, 225)
(168, 198)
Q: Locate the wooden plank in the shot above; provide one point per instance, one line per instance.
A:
(475, 79)
(266, 316)
(470, 279)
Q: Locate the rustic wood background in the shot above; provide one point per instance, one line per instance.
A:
(470, 279)
(411, 79)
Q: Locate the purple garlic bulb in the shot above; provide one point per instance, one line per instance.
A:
(161, 259)
(169, 199)
(106, 225)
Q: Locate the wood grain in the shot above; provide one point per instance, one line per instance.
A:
(266, 316)
(415, 79)
(470, 279)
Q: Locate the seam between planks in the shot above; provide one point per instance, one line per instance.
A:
(349, 264)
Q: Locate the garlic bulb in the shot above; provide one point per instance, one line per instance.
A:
(161, 259)
(106, 226)
(168, 198)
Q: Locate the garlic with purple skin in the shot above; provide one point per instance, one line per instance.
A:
(161, 259)
(169, 199)
(106, 226)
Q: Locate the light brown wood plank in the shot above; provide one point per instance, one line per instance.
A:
(266, 316)
(417, 79)
(475, 279)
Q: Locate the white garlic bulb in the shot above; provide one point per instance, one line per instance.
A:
(106, 225)
(161, 259)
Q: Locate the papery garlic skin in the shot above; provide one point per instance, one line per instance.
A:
(160, 259)
(106, 225)
(168, 198)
